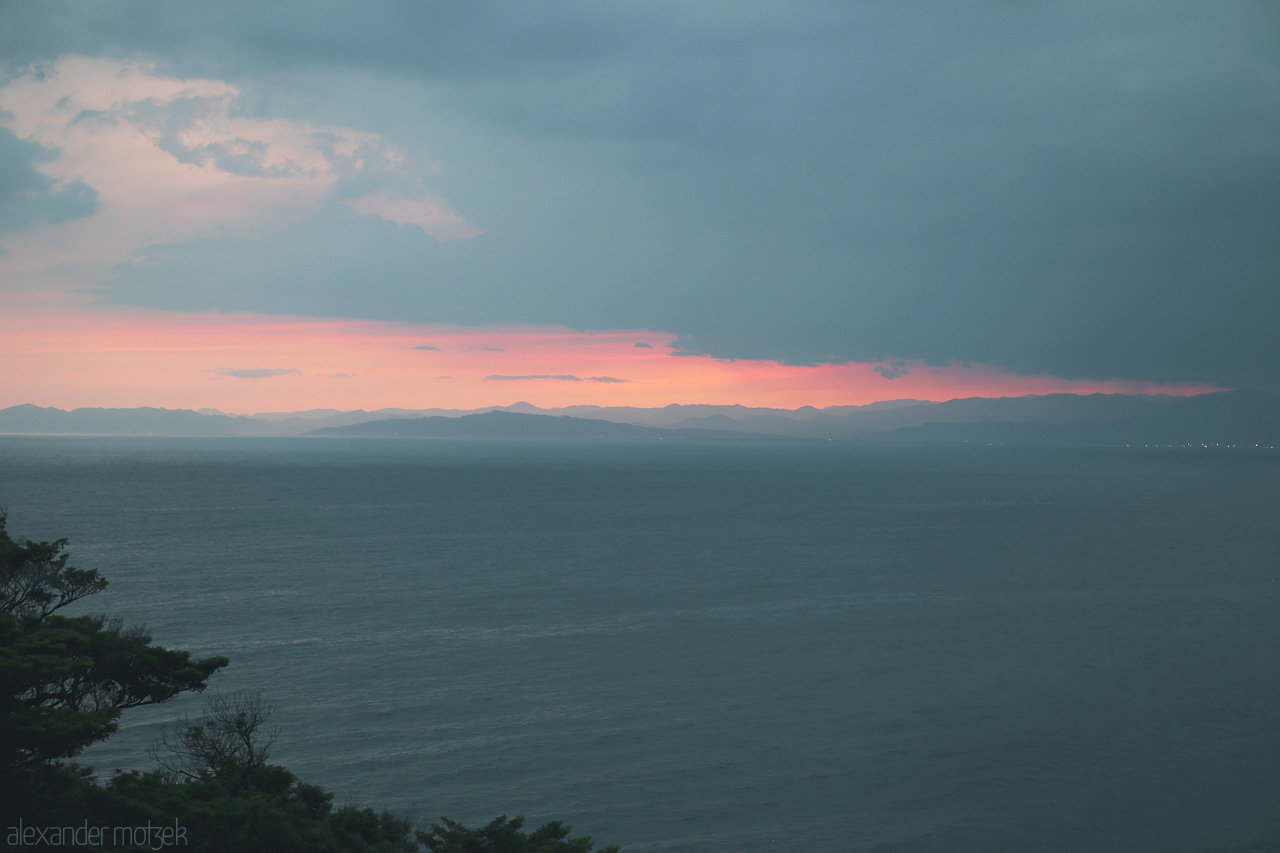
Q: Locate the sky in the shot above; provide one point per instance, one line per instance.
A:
(269, 207)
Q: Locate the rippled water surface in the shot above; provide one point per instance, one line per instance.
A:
(715, 647)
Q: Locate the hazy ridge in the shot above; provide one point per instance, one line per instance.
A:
(1229, 417)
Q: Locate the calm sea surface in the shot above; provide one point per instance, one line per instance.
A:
(715, 647)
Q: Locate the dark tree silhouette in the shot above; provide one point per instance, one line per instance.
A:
(64, 680)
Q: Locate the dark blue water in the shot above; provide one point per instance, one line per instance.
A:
(715, 647)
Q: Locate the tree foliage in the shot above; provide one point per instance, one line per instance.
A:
(268, 809)
(65, 680)
(229, 742)
(35, 579)
(504, 836)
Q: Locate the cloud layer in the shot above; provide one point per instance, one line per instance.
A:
(259, 372)
(1088, 190)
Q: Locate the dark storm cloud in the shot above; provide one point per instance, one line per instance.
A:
(1088, 189)
(450, 40)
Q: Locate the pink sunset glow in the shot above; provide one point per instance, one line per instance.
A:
(250, 363)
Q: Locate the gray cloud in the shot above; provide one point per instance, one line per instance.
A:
(891, 372)
(562, 377)
(644, 346)
(168, 127)
(1089, 189)
(28, 197)
(609, 379)
(427, 347)
(258, 372)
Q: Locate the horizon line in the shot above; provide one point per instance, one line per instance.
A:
(209, 410)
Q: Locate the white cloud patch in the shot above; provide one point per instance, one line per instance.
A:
(429, 214)
(174, 160)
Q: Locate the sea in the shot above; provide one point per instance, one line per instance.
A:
(713, 646)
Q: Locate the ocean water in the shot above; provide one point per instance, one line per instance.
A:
(714, 646)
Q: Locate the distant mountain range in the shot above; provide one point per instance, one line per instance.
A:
(501, 424)
(1230, 417)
